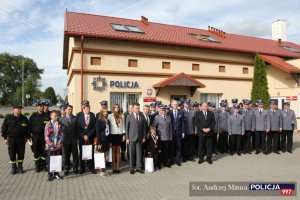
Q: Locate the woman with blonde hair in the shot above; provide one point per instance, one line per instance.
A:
(117, 131)
(103, 136)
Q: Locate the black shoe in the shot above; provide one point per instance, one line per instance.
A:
(171, 163)
(266, 153)
(57, 176)
(76, 171)
(290, 151)
(257, 152)
(178, 164)
(140, 171)
(277, 152)
(239, 154)
(14, 170)
(20, 170)
(249, 152)
(231, 154)
(132, 171)
(93, 171)
(66, 173)
(82, 171)
(209, 161)
(192, 160)
(200, 161)
(50, 177)
(184, 160)
(168, 165)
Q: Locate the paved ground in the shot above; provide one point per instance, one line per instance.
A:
(166, 184)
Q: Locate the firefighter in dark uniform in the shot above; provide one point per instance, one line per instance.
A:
(15, 133)
(37, 122)
(46, 108)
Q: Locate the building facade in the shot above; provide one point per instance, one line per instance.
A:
(124, 61)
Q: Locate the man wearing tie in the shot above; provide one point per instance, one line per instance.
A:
(85, 126)
(189, 130)
(289, 123)
(178, 132)
(135, 133)
(205, 122)
(262, 127)
(70, 140)
(249, 126)
(275, 128)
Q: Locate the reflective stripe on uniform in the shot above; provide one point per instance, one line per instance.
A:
(12, 162)
(20, 161)
(36, 159)
(43, 158)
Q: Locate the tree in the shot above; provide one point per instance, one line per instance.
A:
(260, 89)
(50, 94)
(11, 78)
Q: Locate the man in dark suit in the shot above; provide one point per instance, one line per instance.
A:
(205, 122)
(177, 117)
(135, 134)
(70, 140)
(85, 125)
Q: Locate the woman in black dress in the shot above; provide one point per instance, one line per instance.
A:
(103, 136)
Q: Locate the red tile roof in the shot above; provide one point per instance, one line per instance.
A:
(88, 25)
(177, 77)
(280, 63)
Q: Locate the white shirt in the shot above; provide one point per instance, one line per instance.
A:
(114, 128)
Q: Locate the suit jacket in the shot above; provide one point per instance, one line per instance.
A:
(189, 121)
(114, 128)
(262, 120)
(152, 146)
(275, 119)
(90, 131)
(289, 121)
(202, 123)
(236, 124)
(178, 123)
(163, 127)
(101, 132)
(136, 132)
(249, 118)
(69, 129)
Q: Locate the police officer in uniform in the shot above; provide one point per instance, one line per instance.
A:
(262, 127)
(289, 124)
(275, 128)
(37, 122)
(15, 133)
(249, 126)
(223, 129)
(212, 108)
(234, 103)
(236, 128)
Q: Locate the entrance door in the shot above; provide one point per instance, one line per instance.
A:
(178, 97)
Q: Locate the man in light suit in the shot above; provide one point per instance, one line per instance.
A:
(262, 127)
(236, 128)
(178, 132)
(189, 130)
(136, 128)
(163, 125)
(275, 128)
(289, 124)
(205, 122)
(249, 126)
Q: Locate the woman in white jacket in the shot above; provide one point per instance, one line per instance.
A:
(117, 131)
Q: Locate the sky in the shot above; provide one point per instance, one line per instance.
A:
(34, 28)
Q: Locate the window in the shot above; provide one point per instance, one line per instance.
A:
(95, 61)
(126, 28)
(124, 99)
(221, 68)
(291, 49)
(211, 97)
(132, 63)
(245, 70)
(195, 67)
(205, 38)
(166, 65)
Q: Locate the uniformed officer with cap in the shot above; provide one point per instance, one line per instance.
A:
(62, 110)
(223, 129)
(46, 108)
(275, 128)
(249, 126)
(236, 128)
(15, 131)
(234, 103)
(86, 130)
(37, 122)
(262, 127)
(289, 124)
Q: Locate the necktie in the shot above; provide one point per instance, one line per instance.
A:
(87, 120)
(246, 110)
(205, 115)
(259, 111)
(147, 120)
(175, 115)
(236, 115)
(137, 119)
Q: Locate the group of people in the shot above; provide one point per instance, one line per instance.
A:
(168, 134)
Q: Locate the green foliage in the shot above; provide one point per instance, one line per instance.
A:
(1, 116)
(27, 114)
(50, 94)
(11, 78)
(260, 89)
(6, 115)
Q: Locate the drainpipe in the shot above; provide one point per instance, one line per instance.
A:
(81, 69)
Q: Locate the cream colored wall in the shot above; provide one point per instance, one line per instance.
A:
(295, 62)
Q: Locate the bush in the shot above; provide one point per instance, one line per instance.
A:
(6, 115)
(27, 114)
(1, 116)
